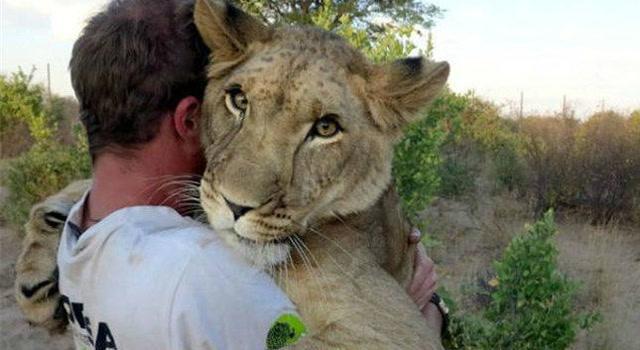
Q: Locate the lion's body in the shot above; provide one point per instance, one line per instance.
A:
(350, 291)
(319, 212)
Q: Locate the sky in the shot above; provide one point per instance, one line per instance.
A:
(588, 51)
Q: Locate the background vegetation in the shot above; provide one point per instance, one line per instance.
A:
(50, 151)
(463, 149)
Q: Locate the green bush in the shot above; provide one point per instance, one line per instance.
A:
(20, 104)
(476, 134)
(508, 170)
(607, 156)
(532, 306)
(457, 177)
(20, 100)
(48, 165)
(496, 138)
(456, 169)
(39, 173)
(23, 103)
(546, 147)
(417, 158)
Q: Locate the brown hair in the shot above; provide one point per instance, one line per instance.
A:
(134, 62)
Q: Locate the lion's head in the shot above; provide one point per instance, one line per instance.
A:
(298, 127)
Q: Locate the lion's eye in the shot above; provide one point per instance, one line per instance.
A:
(326, 127)
(236, 101)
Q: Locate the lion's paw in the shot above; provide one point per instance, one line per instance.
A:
(36, 284)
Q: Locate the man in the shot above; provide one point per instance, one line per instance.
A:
(134, 272)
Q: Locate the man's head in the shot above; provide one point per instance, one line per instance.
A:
(135, 65)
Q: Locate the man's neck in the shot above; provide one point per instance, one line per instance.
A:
(120, 182)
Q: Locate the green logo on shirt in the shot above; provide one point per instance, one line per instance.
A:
(287, 330)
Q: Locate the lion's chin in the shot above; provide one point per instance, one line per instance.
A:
(263, 255)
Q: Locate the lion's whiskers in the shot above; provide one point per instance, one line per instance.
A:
(175, 183)
(183, 193)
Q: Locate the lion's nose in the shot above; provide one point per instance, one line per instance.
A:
(237, 210)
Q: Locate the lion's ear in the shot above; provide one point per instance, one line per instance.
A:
(226, 29)
(399, 91)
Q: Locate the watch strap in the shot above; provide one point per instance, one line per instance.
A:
(444, 311)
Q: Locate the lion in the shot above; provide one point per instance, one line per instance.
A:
(298, 130)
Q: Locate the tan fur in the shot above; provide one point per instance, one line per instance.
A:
(36, 284)
(319, 212)
(345, 295)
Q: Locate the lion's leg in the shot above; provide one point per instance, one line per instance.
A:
(365, 311)
(36, 284)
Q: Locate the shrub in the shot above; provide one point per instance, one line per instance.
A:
(25, 118)
(508, 169)
(39, 173)
(457, 153)
(457, 176)
(546, 146)
(20, 104)
(497, 139)
(415, 165)
(608, 156)
(476, 134)
(532, 306)
(592, 165)
(19, 99)
(63, 112)
(417, 158)
(48, 165)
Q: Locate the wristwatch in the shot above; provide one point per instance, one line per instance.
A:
(444, 311)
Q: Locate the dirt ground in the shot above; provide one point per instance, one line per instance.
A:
(15, 332)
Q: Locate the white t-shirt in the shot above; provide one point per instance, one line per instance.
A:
(147, 278)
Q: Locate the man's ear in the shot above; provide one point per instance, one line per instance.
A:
(186, 121)
(226, 29)
(399, 91)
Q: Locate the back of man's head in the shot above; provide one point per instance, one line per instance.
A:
(132, 64)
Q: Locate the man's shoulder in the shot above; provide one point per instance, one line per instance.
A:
(143, 239)
(152, 226)
(171, 228)
(163, 233)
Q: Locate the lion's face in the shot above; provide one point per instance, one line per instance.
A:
(288, 143)
(297, 128)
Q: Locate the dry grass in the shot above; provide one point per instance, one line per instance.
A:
(606, 260)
